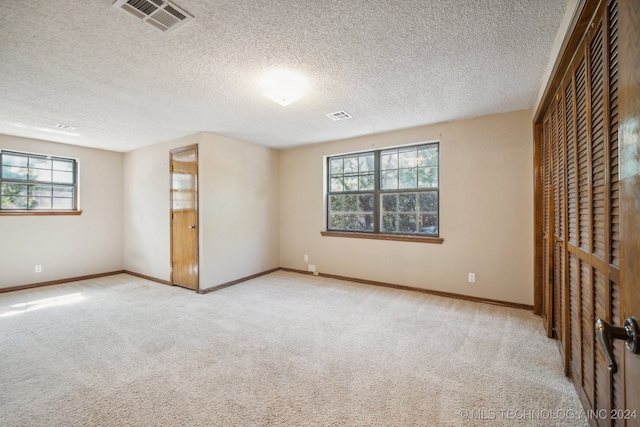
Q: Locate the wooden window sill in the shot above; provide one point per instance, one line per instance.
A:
(396, 237)
(38, 213)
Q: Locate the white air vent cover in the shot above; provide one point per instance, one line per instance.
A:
(65, 126)
(160, 14)
(339, 115)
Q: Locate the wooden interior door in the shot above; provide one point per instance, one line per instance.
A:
(184, 217)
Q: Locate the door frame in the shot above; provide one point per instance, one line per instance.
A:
(197, 209)
(629, 137)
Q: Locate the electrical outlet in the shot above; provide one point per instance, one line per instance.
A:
(38, 269)
(472, 277)
(306, 258)
(312, 267)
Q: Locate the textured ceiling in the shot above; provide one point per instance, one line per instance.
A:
(390, 63)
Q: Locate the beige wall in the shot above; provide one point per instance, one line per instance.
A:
(146, 208)
(66, 246)
(239, 203)
(486, 212)
(239, 207)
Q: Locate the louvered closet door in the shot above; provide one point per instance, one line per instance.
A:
(582, 213)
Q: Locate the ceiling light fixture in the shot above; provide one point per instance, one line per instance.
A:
(284, 86)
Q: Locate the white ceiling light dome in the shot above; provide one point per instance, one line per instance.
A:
(284, 86)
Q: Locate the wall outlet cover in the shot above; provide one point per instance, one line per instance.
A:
(312, 267)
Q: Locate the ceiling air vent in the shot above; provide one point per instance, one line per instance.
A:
(339, 115)
(65, 126)
(157, 13)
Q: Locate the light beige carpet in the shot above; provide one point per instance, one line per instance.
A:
(284, 349)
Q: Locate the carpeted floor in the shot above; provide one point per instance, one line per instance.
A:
(284, 349)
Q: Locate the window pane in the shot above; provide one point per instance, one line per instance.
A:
(14, 189)
(336, 222)
(13, 172)
(63, 203)
(351, 164)
(39, 163)
(389, 160)
(40, 203)
(365, 203)
(64, 177)
(344, 203)
(429, 223)
(336, 203)
(407, 202)
(366, 182)
(389, 202)
(389, 222)
(347, 212)
(365, 222)
(14, 202)
(389, 180)
(407, 223)
(350, 222)
(40, 190)
(351, 183)
(62, 191)
(336, 166)
(43, 175)
(63, 165)
(408, 178)
(428, 201)
(367, 163)
(428, 156)
(428, 177)
(11, 160)
(337, 184)
(408, 158)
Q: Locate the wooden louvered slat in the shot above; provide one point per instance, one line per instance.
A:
(601, 378)
(597, 144)
(587, 326)
(583, 165)
(614, 178)
(574, 313)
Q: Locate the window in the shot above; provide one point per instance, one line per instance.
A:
(37, 183)
(392, 191)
